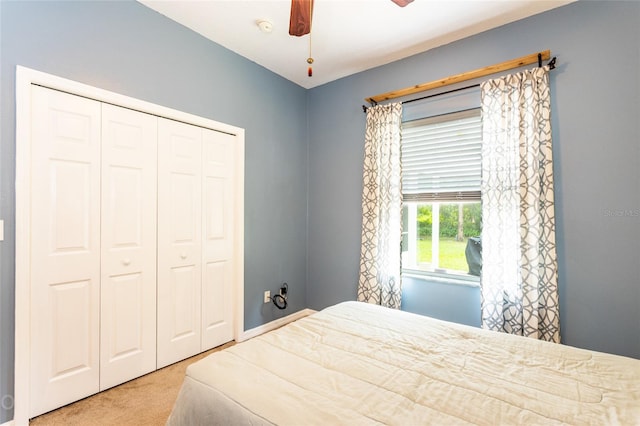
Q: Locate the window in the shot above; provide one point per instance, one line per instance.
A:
(441, 166)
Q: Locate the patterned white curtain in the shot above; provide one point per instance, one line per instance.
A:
(379, 281)
(519, 272)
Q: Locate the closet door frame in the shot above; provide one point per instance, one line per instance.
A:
(25, 79)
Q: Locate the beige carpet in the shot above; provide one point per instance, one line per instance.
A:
(144, 401)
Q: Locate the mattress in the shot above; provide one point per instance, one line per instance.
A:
(361, 364)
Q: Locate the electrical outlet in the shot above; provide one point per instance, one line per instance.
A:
(267, 296)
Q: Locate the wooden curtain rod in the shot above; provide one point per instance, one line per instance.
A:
(465, 76)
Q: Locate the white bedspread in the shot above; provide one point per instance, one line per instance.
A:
(357, 364)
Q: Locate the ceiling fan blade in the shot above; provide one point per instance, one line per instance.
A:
(402, 3)
(300, 20)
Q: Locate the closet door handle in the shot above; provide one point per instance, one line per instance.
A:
(126, 261)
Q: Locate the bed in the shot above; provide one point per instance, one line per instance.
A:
(361, 364)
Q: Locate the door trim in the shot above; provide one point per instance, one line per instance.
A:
(25, 78)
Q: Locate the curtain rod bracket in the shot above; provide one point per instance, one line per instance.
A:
(372, 102)
(539, 60)
(552, 63)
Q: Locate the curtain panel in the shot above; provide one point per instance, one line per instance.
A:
(519, 273)
(380, 281)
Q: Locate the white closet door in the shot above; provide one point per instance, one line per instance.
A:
(179, 240)
(218, 222)
(65, 249)
(128, 296)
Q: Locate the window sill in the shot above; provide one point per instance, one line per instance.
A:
(442, 278)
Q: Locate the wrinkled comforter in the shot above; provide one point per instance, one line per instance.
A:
(360, 364)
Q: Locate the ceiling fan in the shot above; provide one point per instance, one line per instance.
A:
(302, 11)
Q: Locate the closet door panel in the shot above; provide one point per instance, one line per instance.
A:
(179, 240)
(65, 249)
(216, 305)
(218, 222)
(129, 196)
(184, 309)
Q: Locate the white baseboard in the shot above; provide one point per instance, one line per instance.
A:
(248, 334)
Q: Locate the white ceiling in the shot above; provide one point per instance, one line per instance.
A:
(348, 36)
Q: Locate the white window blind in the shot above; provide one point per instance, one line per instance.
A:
(441, 157)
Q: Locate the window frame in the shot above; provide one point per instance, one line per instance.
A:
(440, 274)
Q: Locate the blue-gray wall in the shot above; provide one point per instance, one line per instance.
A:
(127, 48)
(596, 116)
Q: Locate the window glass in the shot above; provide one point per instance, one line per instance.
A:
(456, 248)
